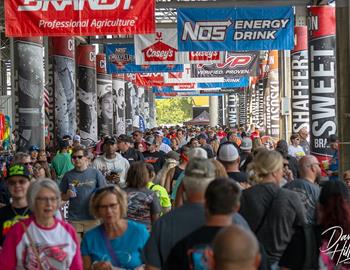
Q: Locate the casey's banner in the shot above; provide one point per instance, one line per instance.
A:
(121, 59)
(237, 64)
(78, 17)
(235, 29)
(161, 48)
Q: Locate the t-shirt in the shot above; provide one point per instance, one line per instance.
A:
(62, 163)
(118, 164)
(189, 252)
(283, 214)
(174, 226)
(132, 155)
(296, 151)
(85, 182)
(157, 159)
(9, 216)
(58, 247)
(308, 193)
(161, 193)
(142, 204)
(127, 247)
(240, 177)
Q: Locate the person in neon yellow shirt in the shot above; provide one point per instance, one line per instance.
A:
(161, 192)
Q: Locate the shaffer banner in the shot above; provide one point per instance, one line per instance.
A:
(235, 29)
(161, 48)
(121, 59)
(322, 59)
(77, 17)
(236, 64)
(300, 80)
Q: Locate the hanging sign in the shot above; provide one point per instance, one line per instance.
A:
(235, 29)
(77, 17)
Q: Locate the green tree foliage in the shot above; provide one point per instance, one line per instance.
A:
(173, 110)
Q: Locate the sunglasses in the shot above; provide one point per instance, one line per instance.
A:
(106, 188)
(77, 157)
(14, 183)
(27, 163)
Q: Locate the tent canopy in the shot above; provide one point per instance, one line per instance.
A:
(200, 120)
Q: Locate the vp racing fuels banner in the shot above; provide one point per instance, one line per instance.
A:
(237, 64)
(78, 17)
(121, 59)
(235, 29)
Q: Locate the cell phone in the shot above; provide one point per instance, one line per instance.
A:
(198, 258)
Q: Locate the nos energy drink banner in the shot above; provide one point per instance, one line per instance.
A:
(105, 99)
(300, 80)
(322, 57)
(86, 93)
(62, 86)
(235, 29)
(29, 89)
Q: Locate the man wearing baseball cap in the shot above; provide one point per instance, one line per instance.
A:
(159, 136)
(128, 152)
(17, 181)
(153, 155)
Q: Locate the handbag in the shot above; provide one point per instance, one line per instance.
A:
(31, 242)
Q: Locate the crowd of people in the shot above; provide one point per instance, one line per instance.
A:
(176, 198)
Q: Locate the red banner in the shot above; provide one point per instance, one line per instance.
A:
(77, 17)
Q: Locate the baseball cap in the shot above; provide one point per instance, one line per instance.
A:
(202, 136)
(150, 140)
(109, 140)
(124, 138)
(17, 169)
(173, 155)
(246, 144)
(200, 168)
(76, 138)
(34, 148)
(227, 152)
(197, 152)
(159, 133)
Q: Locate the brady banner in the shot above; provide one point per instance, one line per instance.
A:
(121, 59)
(161, 48)
(300, 80)
(77, 17)
(237, 64)
(322, 59)
(235, 29)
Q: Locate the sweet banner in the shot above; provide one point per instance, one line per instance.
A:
(235, 29)
(161, 48)
(121, 59)
(76, 17)
(236, 64)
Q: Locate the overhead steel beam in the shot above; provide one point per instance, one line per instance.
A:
(231, 3)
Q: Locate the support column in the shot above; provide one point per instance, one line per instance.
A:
(86, 94)
(343, 83)
(28, 87)
(322, 58)
(213, 111)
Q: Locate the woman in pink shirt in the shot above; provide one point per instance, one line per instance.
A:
(41, 241)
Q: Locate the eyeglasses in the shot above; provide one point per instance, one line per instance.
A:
(28, 163)
(112, 206)
(77, 157)
(47, 199)
(14, 183)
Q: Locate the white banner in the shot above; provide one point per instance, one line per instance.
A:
(161, 48)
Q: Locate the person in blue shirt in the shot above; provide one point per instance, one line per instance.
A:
(117, 242)
(334, 162)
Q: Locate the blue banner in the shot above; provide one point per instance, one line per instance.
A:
(235, 83)
(121, 59)
(234, 29)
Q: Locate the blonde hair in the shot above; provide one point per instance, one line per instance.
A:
(102, 192)
(264, 163)
(220, 170)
